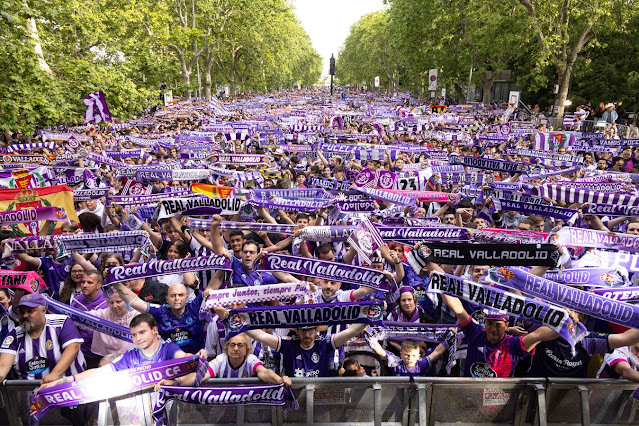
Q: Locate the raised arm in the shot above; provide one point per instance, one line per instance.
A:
(265, 338)
(542, 334)
(453, 303)
(131, 298)
(344, 336)
(216, 237)
(269, 376)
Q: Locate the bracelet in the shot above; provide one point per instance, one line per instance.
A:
(179, 381)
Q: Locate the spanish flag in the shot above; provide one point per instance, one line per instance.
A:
(212, 191)
(19, 199)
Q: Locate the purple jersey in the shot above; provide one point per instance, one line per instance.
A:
(37, 357)
(243, 279)
(421, 368)
(484, 359)
(221, 368)
(135, 358)
(83, 304)
(311, 362)
(187, 331)
(54, 274)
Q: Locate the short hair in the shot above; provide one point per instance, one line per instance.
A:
(89, 222)
(96, 273)
(302, 215)
(147, 318)
(324, 248)
(236, 232)
(249, 242)
(527, 222)
(348, 365)
(247, 341)
(409, 345)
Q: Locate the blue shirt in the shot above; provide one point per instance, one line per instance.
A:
(135, 358)
(311, 362)
(53, 274)
(421, 368)
(187, 331)
(241, 278)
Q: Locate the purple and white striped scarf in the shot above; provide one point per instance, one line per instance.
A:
(291, 204)
(131, 200)
(567, 215)
(366, 239)
(30, 146)
(154, 174)
(90, 194)
(579, 237)
(573, 195)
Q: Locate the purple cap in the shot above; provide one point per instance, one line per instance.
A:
(32, 300)
(496, 315)
(406, 289)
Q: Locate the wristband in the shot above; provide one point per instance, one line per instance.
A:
(179, 381)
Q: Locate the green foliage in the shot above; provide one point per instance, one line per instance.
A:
(128, 48)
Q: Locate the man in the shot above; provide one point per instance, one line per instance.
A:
(178, 320)
(150, 349)
(307, 355)
(91, 298)
(148, 290)
(47, 348)
(492, 353)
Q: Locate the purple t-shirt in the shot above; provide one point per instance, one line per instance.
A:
(484, 359)
(311, 362)
(36, 357)
(241, 278)
(135, 358)
(83, 304)
(421, 368)
(187, 331)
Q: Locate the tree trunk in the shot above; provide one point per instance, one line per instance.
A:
(187, 80)
(37, 46)
(459, 93)
(564, 85)
(487, 79)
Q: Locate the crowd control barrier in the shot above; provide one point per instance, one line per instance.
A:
(380, 400)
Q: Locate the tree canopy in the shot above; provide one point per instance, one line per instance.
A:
(54, 53)
(544, 42)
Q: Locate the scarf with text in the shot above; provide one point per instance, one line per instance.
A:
(32, 215)
(579, 237)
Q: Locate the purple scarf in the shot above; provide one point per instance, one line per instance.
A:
(600, 239)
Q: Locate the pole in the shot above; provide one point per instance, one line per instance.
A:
(331, 85)
(470, 76)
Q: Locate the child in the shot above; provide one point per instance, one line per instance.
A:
(409, 362)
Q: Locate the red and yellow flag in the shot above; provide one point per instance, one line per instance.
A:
(212, 191)
(19, 199)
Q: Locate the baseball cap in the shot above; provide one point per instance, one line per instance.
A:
(32, 300)
(496, 315)
(279, 151)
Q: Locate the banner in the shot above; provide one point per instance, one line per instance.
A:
(60, 196)
(97, 109)
(567, 215)
(579, 237)
(418, 233)
(90, 194)
(334, 271)
(175, 206)
(14, 217)
(239, 159)
(291, 204)
(224, 396)
(365, 239)
(573, 298)
(27, 281)
(25, 159)
(295, 316)
(155, 268)
(613, 210)
(103, 387)
(256, 294)
(152, 174)
(483, 254)
(328, 184)
(389, 196)
(90, 321)
(118, 242)
(488, 164)
(516, 305)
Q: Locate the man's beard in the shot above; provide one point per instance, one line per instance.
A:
(27, 326)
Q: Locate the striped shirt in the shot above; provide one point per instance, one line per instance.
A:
(37, 357)
(221, 368)
(83, 304)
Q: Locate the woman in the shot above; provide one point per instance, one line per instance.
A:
(237, 361)
(407, 308)
(71, 286)
(109, 260)
(107, 346)
(179, 250)
(6, 323)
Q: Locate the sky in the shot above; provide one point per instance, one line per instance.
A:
(328, 22)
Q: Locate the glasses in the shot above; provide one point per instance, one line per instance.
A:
(236, 345)
(306, 331)
(77, 272)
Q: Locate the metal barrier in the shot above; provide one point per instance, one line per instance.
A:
(376, 400)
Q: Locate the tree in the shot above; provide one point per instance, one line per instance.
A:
(563, 29)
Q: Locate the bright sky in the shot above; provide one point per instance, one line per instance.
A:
(328, 22)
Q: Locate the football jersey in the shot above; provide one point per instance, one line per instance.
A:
(421, 368)
(606, 371)
(81, 303)
(485, 359)
(135, 358)
(221, 368)
(187, 331)
(35, 358)
(311, 362)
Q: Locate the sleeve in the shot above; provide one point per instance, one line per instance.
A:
(194, 305)
(517, 347)
(594, 345)
(269, 278)
(285, 346)
(121, 362)
(253, 362)
(615, 357)
(154, 310)
(69, 334)
(171, 350)
(212, 339)
(471, 329)
(10, 344)
(214, 366)
(392, 360)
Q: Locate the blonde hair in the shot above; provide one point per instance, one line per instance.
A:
(247, 340)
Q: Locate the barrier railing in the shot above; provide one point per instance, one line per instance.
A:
(376, 400)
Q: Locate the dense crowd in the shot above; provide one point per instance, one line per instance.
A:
(468, 240)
